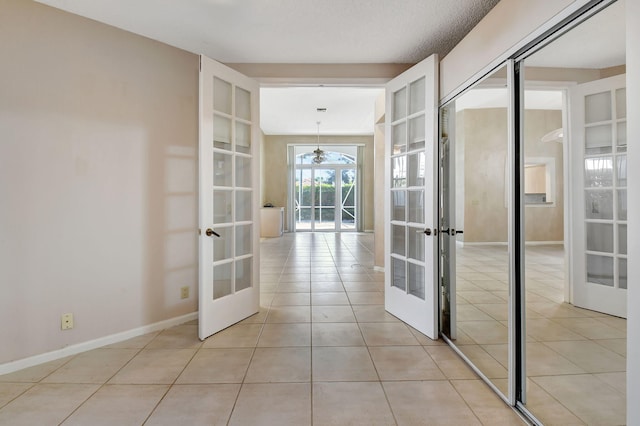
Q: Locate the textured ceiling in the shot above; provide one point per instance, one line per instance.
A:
(294, 31)
(335, 32)
(293, 110)
(298, 32)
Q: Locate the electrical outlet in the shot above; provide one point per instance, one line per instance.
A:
(184, 292)
(66, 322)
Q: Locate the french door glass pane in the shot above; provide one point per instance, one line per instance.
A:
(222, 285)
(244, 273)
(222, 207)
(398, 205)
(597, 107)
(400, 104)
(416, 243)
(243, 206)
(621, 170)
(622, 136)
(221, 132)
(223, 245)
(600, 270)
(622, 273)
(416, 280)
(243, 104)
(598, 139)
(416, 133)
(243, 240)
(416, 206)
(599, 204)
(397, 239)
(243, 172)
(621, 103)
(222, 169)
(243, 138)
(399, 171)
(598, 172)
(399, 275)
(416, 97)
(399, 135)
(221, 96)
(600, 237)
(622, 204)
(622, 239)
(416, 169)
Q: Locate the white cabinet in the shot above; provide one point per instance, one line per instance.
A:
(271, 221)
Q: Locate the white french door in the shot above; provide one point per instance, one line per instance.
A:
(410, 196)
(228, 200)
(599, 195)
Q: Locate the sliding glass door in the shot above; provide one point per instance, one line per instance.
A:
(324, 190)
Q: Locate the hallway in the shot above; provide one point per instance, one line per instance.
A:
(321, 351)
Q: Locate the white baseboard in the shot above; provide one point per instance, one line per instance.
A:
(543, 243)
(502, 243)
(485, 243)
(12, 366)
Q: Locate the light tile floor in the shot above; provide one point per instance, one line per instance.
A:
(576, 358)
(321, 351)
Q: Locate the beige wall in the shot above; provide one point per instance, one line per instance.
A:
(545, 223)
(274, 174)
(484, 132)
(485, 153)
(98, 179)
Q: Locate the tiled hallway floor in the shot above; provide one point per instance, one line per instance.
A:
(321, 351)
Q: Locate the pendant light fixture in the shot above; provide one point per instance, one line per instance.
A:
(319, 158)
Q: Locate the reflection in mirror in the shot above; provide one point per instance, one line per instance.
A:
(475, 262)
(539, 181)
(575, 351)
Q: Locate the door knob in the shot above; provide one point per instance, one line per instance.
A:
(211, 232)
(427, 231)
